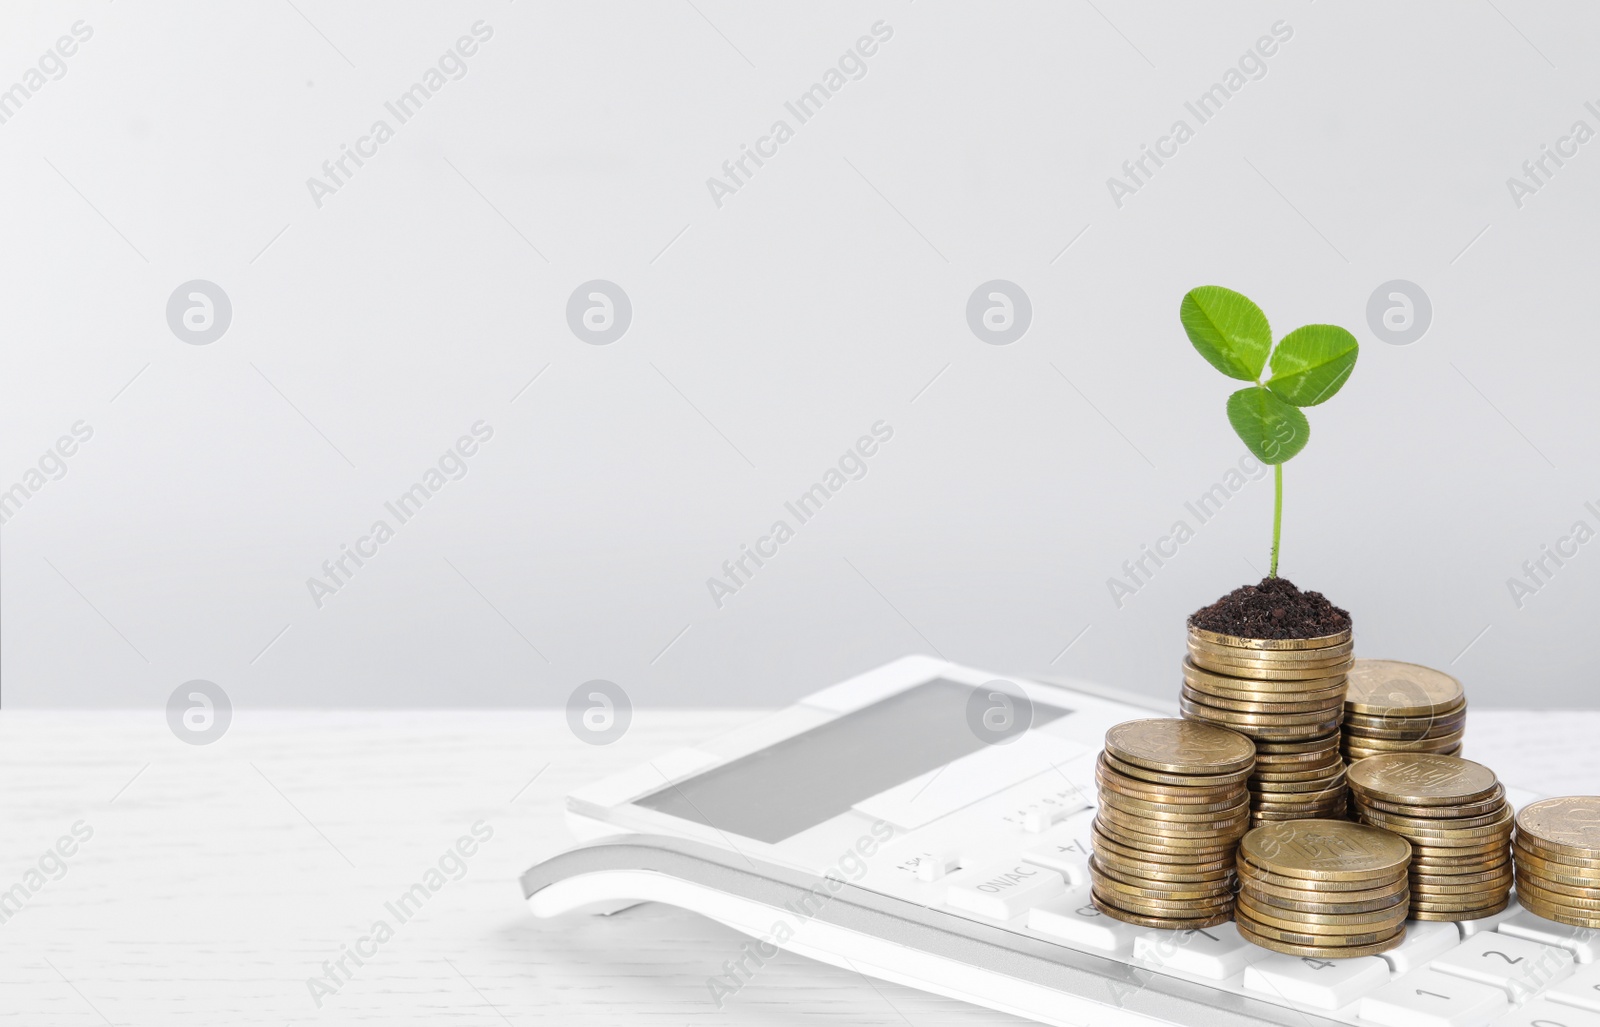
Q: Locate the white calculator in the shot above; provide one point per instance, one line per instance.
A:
(928, 824)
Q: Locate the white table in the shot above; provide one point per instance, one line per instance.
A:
(219, 878)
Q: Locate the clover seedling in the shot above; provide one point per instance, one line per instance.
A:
(1308, 367)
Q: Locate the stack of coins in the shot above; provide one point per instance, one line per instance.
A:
(1558, 859)
(1173, 806)
(1326, 889)
(1455, 815)
(1287, 695)
(1402, 707)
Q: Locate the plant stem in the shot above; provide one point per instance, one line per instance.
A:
(1277, 515)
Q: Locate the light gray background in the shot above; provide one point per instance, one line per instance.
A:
(827, 294)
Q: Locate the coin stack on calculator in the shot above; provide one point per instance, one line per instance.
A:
(1455, 815)
(1323, 888)
(1288, 696)
(1558, 859)
(1239, 811)
(1402, 707)
(1173, 807)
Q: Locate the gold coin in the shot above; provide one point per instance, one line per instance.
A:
(1430, 855)
(1216, 714)
(1143, 823)
(1201, 802)
(1233, 679)
(1453, 728)
(1327, 901)
(1151, 907)
(1378, 921)
(1265, 817)
(1173, 746)
(1300, 705)
(1461, 905)
(1114, 887)
(1324, 677)
(1288, 907)
(1570, 863)
(1322, 743)
(1420, 879)
(1176, 795)
(1246, 690)
(1200, 846)
(1487, 881)
(1465, 809)
(1328, 661)
(1562, 897)
(1332, 795)
(1395, 898)
(1273, 763)
(1321, 654)
(1255, 926)
(1189, 858)
(1389, 746)
(1184, 780)
(1393, 687)
(1154, 906)
(1320, 951)
(1396, 717)
(1399, 824)
(1283, 802)
(1453, 915)
(1561, 914)
(1296, 885)
(1138, 803)
(1188, 786)
(1166, 819)
(1568, 825)
(1557, 874)
(1166, 923)
(1312, 772)
(1116, 863)
(1298, 794)
(1554, 885)
(1270, 644)
(1326, 782)
(1285, 812)
(1326, 849)
(1395, 721)
(1353, 749)
(1491, 838)
(1420, 779)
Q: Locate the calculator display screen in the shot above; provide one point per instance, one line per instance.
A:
(820, 773)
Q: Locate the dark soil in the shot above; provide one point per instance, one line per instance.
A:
(1273, 609)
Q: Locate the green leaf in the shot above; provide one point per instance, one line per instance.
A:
(1229, 331)
(1311, 363)
(1272, 429)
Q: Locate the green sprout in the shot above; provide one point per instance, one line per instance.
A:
(1308, 367)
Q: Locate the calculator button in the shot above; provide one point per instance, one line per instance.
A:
(1214, 952)
(1320, 983)
(932, 866)
(1425, 939)
(1042, 818)
(1491, 922)
(1545, 1013)
(1428, 998)
(1582, 942)
(1582, 989)
(1073, 918)
(1520, 967)
(1004, 890)
(1068, 856)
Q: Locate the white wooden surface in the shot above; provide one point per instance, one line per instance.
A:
(219, 878)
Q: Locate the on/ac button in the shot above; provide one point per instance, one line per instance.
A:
(1003, 891)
